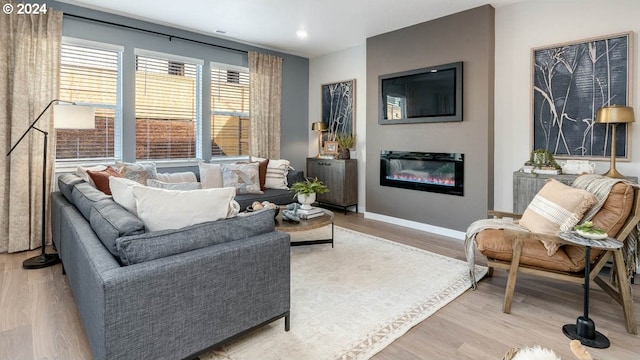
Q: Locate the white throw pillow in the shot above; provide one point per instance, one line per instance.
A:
(210, 175)
(161, 209)
(277, 171)
(81, 171)
(121, 190)
(179, 177)
(174, 185)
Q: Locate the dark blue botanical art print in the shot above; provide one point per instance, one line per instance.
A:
(570, 83)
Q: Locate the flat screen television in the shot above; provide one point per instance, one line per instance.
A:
(431, 94)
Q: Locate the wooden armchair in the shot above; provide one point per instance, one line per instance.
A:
(519, 251)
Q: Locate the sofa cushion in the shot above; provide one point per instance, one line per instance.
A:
(162, 209)
(101, 178)
(158, 244)
(66, 183)
(121, 190)
(84, 195)
(556, 207)
(178, 177)
(110, 221)
(244, 178)
(210, 175)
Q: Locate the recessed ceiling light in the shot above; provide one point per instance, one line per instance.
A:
(302, 34)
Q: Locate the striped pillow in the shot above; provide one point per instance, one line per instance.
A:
(277, 171)
(556, 207)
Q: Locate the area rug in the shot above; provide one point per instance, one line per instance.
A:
(351, 301)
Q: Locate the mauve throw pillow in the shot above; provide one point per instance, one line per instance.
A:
(243, 177)
(101, 178)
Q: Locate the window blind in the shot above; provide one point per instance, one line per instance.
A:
(90, 76)
(168, 108)
(230, 124)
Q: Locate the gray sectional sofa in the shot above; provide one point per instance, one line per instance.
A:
(167, 294)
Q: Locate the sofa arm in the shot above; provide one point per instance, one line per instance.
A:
(205, 296)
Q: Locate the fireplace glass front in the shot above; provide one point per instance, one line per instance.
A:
(433, 172)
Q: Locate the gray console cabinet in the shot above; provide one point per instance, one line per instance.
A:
(340, 176)
(526, 186)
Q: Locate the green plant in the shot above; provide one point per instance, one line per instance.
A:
(542, 157)
(346, 141)
(309, 186)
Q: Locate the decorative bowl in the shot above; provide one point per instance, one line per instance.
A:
(593, 236)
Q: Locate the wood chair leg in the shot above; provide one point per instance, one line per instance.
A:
(624, 290)
(513, 275)
(489, 271)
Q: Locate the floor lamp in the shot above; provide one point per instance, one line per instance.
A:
(614, 114)
(319, 127)
(67, 116)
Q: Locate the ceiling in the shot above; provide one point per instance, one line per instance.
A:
(331, 25)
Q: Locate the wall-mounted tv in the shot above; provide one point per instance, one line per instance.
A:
(431, 94)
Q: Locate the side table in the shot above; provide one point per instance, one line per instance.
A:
(584, 328)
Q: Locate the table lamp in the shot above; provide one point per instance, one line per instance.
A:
(319, 127)
(614, 114)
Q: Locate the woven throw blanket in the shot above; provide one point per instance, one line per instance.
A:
(601, 186)
(474, 229)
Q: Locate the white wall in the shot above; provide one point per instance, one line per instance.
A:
(532, 24)
(338, 66)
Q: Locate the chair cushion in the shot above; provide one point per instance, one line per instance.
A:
(556, 207)
(616, 209)
(494, 245)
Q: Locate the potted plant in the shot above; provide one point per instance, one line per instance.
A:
(345, 143)
(306, 191)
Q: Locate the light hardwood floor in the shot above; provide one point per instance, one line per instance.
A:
(39, 320)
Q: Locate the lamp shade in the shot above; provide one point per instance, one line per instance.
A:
(319, 126)
(73, 117)
(615, 114)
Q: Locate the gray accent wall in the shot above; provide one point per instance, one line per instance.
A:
(295, 71)
(468, 37)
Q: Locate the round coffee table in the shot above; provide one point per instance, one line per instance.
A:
(305, 225)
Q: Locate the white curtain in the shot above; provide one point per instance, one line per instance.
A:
(265, 74)
(29, 78)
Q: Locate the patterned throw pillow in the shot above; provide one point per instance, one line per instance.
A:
(139, 172)
(556, 207)
(244, 177)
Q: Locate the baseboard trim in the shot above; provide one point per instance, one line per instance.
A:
(458, 235)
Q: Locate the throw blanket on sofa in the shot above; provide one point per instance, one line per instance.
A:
(600, 186)
(474, 229)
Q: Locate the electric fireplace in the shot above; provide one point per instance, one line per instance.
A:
(433, 172)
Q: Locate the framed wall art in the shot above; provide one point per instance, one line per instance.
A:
(570, 82)
(338, 108)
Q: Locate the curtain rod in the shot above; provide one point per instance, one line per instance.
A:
(153, 32)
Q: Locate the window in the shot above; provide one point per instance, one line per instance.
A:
(89, 75)
(230, 123)
(168, 107)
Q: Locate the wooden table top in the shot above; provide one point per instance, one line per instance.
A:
(304, 225)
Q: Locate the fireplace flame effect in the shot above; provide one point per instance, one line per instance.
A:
(432, 180)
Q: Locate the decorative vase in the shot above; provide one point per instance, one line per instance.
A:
(344, 154)
(306, 200)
